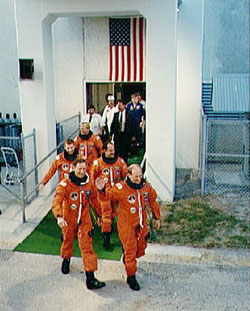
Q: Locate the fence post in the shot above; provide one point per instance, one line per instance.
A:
(35, 159)
(79, 117)
(23, 201)
(203, 154)
(24, 163)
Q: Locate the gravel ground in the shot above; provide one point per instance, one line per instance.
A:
(33, 282)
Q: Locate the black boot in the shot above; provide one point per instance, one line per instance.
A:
(92, 282)
(106, 239)
(133, 284)
(65, 265)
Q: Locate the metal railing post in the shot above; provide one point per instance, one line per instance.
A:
(203, 154)
(24, 163)
(23, 201)
(35, 160)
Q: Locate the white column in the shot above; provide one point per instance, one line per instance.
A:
(161, 99)
(36, 95)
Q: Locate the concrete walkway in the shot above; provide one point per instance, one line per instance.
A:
(12, 229)
(34, 282)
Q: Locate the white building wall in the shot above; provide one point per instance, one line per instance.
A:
(37, 108)
(161, 75)
(29, 42)
(189, 83)
(96, 48)
(226, 37)
(9, 77)
(67, 38)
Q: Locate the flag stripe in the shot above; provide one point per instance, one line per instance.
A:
(111, 63)
(137, 52)
(129, 63)
(116, 63)
(125, 64)
(144, 49)
(141, 48)
(127, 49)
(134, 46)
(123, 60)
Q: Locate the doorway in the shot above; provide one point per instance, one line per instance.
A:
(123, 91)
(97, 93)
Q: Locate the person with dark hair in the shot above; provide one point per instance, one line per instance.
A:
(134, 196)
(63, 163)
(94, 119)
(71, 210)
(110, 168)
(122, 130)
(88, 144)
(138, 118)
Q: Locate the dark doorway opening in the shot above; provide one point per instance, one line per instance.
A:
(96, 93)
(124, 90)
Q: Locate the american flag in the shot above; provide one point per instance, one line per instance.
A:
(127, 49)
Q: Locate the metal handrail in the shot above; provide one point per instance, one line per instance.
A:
(68, 119)
(41, 162)
(22, 180)
(51, 152)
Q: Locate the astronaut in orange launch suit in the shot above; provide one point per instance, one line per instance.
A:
(71, 209)
(110, 168)
(134, 196)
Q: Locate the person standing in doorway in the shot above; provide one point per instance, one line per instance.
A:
(122, 130)
(138, 118)
(94, 119)
(108, 115)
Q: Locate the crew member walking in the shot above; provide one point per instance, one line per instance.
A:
(71, 209)
(88, 144)
(134, 196)
(63, 163)
(110, 168)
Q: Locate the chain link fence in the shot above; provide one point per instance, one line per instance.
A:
(225, 157)
(20, 156)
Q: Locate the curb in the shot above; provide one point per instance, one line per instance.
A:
(227, 257)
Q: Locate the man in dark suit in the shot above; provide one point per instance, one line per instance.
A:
(122, 130)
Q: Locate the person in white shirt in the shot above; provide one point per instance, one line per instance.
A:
(95, 120)
(108, 114)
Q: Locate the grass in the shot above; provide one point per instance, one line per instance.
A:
(185, 222)
(46, 239)
(136, 158)
(193, 223)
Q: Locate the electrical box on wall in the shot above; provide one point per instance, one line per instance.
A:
(26, 68)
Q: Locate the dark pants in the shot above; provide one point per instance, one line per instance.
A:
(122, 145)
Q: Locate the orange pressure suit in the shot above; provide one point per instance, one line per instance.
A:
(71, 202)
(110, 170)
(63, 163)
(89, 146)
(132, 226)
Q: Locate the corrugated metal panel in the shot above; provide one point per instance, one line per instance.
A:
(231, 93)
